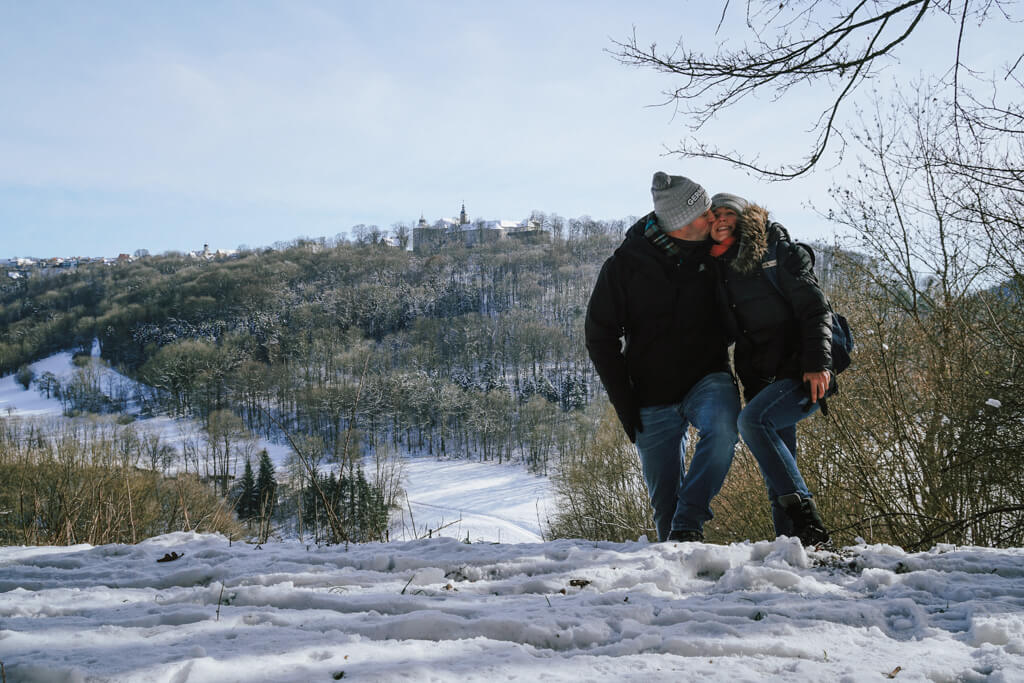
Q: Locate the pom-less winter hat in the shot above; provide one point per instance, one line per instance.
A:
(729, 201)
(678, 201)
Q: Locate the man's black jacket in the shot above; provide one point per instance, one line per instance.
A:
(665, 309)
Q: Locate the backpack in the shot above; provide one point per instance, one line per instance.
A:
(842, 336)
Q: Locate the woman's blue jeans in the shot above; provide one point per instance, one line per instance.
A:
(682, 499)
(768, 426)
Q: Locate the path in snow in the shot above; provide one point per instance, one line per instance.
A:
(486, 501)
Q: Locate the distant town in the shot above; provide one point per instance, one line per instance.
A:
(427, 238)
(24, 267)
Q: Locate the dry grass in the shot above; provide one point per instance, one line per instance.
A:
(68, 484)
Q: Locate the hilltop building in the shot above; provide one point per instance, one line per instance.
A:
(427, 238)
(208, 255)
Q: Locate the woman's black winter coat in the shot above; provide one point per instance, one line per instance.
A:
(776, 336)
(665, 310)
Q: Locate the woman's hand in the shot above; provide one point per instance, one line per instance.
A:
(817, 383)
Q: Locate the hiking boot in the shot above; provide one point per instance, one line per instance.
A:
(807, 523)
(685, 536)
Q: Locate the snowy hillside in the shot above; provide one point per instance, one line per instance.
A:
(441, 610)
(454, 498)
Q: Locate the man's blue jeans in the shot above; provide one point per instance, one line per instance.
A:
(768, 426)
(682, 499)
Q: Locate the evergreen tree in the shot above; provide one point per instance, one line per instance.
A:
(247, 504)
(371, 519)
(266, 485)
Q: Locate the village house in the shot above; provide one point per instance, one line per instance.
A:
(21, 267)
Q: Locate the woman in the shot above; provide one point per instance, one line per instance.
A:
(783, 350)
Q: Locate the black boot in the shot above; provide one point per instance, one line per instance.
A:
(807, 523)
(685, 535)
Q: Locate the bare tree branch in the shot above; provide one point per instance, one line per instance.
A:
(845, 50)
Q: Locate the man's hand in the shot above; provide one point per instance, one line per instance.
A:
(631, 423)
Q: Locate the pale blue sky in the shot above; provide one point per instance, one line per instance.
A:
(164, 126)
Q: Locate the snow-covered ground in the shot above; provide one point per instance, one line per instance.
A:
(568, 610)
(481, 501)
(440, 609)
(18, 401)
(453, 498)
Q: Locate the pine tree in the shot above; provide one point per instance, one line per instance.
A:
(247, 504)
(266, 486)
(370, 514)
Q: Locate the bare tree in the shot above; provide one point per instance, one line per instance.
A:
(812, 42)
(402, 234)
(227, 438)
(367, 234)
(926, 445)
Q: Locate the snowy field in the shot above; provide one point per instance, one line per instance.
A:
(504, 607)
(443, 610)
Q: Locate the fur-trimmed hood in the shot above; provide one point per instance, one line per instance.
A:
(754, 232)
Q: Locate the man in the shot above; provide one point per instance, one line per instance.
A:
(657, 294)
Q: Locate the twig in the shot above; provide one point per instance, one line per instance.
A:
(219, 597)
(412, 520)
(184, 506)
(407, 584)
(355, 405)
(266, 515)
(430, 532)
(131, 515)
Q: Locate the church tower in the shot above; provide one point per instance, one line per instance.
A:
(463, 220)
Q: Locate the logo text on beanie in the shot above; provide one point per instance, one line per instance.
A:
(693, 197)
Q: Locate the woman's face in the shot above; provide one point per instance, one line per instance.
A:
(725, 223)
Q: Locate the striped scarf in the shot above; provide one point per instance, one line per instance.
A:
(657, 237)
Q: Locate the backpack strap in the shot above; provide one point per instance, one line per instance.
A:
(770, 268)
(779, 250)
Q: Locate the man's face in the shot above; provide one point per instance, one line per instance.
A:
(724, 224)
(705, 220)
(697, 229)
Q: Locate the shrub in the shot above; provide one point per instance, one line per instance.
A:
(24, 376)
(601, 494)
(66, 488)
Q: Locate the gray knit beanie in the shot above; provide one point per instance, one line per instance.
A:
(729, 201)
(678, 201)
